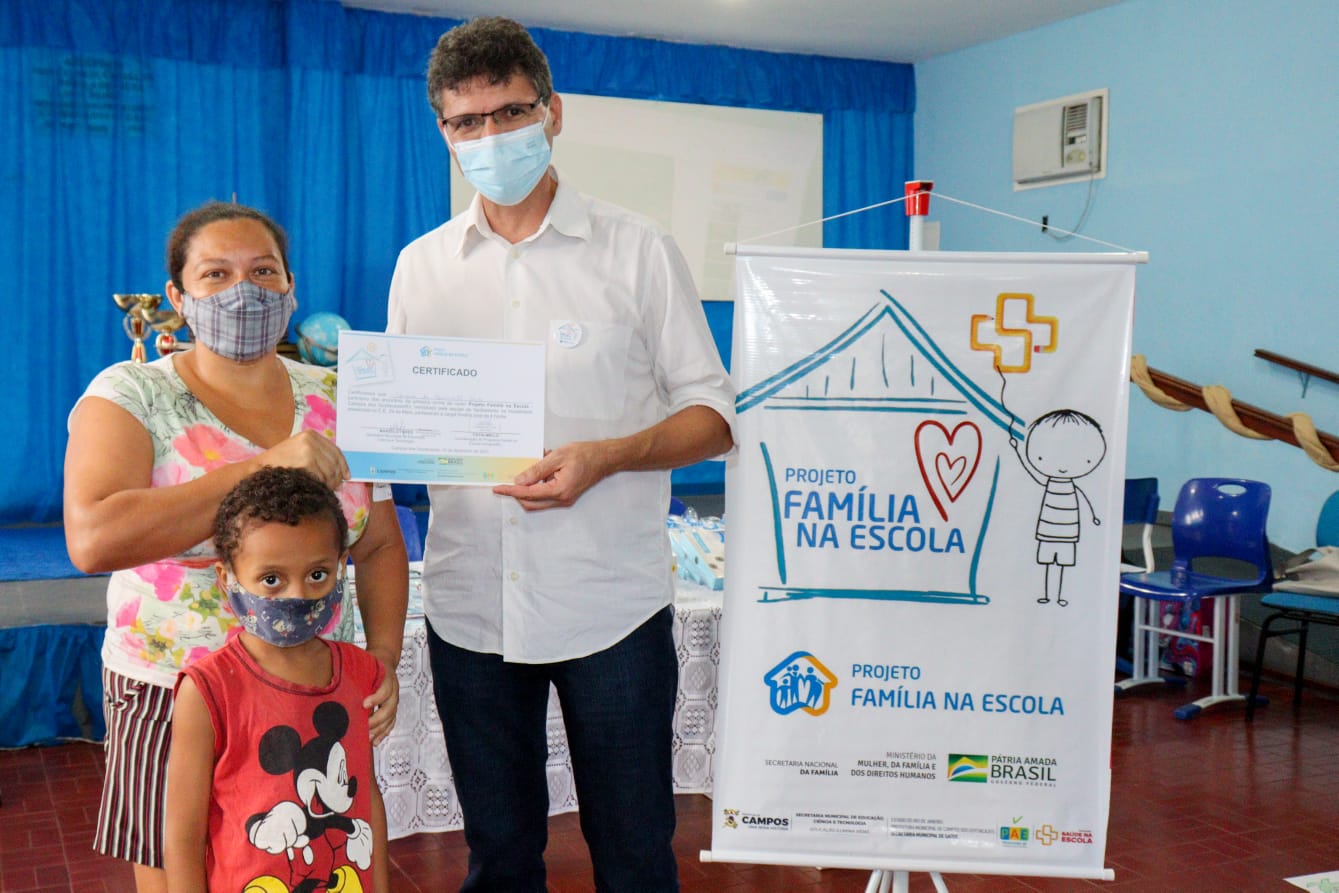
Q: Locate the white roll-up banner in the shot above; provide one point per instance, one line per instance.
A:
(923, 549)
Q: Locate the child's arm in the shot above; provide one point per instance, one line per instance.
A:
(1091, 513)
(381, 863)
(190, 775)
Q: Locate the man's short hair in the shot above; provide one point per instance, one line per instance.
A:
(493, 48)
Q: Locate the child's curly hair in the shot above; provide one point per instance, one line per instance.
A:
(283, 495)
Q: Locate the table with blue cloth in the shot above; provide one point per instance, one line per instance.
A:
(411, 764)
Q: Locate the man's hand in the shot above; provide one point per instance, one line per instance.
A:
(559, 479)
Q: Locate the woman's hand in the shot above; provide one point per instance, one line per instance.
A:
(383, 596)
(313, 452)
(384, 701)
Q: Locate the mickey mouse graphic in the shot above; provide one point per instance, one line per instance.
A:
(312, 830)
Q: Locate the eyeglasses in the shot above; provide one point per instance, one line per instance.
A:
(509, 117)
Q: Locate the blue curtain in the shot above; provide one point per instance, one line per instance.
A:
(53, 684)
(122, 114)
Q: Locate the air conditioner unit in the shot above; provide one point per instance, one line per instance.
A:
(1059, 140)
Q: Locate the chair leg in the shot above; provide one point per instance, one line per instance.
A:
(1265, 635)
(1301, 662)
(1225, 656)
(1147, 652)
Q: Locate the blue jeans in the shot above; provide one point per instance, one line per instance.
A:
(618, 708)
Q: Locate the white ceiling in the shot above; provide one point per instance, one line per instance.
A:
(889, 30)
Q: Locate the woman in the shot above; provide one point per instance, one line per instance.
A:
(153, 449)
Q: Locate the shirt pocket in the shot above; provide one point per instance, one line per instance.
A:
(586, 367)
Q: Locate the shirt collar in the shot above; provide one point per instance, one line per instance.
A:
(567, 215)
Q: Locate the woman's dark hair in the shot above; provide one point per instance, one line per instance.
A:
(491, 47)
(179, 243)
(283, 495)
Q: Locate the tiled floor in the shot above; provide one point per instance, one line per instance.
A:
(1209, 805)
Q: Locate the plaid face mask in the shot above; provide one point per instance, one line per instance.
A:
(284, 622)
(241, 323)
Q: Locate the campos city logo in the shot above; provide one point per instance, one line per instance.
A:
(734, 819)
(800, 682)
(973, 767)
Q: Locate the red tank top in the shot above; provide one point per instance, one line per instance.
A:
(291, 794)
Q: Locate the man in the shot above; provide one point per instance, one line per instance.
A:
(564, 575)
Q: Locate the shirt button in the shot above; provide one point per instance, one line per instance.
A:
(515, 576)
(511, 521)
(515, 253)
(515, 304)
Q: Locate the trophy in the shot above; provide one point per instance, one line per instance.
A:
(165, 323)
(143, 315)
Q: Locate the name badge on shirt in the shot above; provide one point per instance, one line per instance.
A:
(569, 334)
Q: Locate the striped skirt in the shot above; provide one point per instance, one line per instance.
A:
(139, 729)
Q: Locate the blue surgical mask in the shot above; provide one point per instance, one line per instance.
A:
(284, 622)
(505, 167)
(242, 323)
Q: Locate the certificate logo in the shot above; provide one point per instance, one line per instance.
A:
(800, 682)
(370, 364)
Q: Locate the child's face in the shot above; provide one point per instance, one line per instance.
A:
(276, 560)
(1065, 451)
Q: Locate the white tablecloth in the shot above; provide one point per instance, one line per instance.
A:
(411, 764)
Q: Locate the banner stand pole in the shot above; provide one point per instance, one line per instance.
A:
(917, 206)
(882, 881)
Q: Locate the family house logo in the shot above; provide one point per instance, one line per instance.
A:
(800, 682)
(731, 818)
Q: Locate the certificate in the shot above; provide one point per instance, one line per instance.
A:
(413, 409)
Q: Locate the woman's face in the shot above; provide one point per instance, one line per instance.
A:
(225, 252)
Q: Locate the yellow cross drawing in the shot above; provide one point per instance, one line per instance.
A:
(1014, 319)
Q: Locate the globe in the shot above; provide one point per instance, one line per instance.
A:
(318, 337)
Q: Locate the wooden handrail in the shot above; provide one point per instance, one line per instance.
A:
(1258, 420)
(1306, 369)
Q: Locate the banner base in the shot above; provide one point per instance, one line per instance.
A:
(899, 882)
(835, 860)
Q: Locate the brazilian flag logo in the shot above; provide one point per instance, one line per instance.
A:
(968, 767)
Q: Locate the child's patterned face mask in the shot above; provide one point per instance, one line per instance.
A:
(284, 622)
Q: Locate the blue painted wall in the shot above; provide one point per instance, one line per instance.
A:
(1223, 164)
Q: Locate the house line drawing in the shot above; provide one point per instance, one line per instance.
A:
(851, 373)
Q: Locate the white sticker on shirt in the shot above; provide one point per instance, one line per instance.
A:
(568, 334)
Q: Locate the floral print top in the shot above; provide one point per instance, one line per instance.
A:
(165, 615)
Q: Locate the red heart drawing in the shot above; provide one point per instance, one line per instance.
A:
(948, 460)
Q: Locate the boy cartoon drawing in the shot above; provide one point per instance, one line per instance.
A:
(1061, 447)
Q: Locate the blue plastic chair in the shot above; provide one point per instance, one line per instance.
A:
(1214, 518)
(413, 542)
(1302, 608)
(1141, 508)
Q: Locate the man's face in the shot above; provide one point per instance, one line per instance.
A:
(478, 109)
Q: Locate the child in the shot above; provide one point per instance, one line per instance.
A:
(269, 781)
(1061, 446)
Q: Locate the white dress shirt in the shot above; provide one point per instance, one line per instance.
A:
(626, 345)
